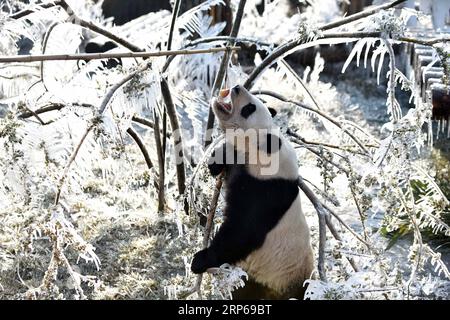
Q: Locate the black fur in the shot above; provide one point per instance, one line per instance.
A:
(248, 110)
(273, 112)
(93, 47)
(253, 208)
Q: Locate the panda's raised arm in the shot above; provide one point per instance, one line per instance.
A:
(222, 156)
(233, 242)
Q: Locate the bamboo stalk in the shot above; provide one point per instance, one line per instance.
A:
(112, 55)
(137, 138)
(161, 178)
(176, 135)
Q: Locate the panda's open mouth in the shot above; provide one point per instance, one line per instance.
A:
(225, 107)
(223, 102)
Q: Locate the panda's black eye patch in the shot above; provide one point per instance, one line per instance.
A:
(248, 110)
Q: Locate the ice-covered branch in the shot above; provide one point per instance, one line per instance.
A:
(27, 12)
(322, 114)
(360, 15)
(94, 123)
(93, 27)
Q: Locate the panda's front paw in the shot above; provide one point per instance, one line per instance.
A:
(200, 262)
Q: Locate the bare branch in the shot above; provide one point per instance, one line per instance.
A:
(327, 145)
(44, 47)
(111, 55)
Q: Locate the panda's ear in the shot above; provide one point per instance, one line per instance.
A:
(272, 111)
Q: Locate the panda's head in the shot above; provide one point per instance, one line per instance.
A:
(237, 108)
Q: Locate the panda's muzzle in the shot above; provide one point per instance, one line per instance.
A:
(223, 102)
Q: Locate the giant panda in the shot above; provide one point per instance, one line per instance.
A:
(264, 229)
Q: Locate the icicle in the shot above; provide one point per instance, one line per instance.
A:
(448, 127)
(438, 129)
(430, 133)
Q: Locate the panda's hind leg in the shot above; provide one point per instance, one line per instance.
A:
(254, 291)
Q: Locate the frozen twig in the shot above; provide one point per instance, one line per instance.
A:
(49, 108)
(395, 109)
(336, 235)
(147, 123)
(207, 234)
(417, 237)
(176, 10)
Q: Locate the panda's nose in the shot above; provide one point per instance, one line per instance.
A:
(236, 89)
